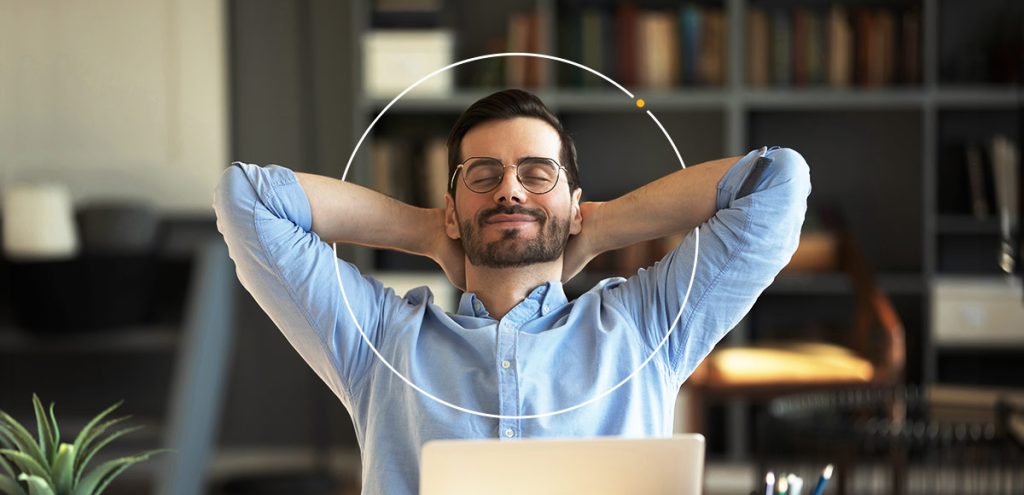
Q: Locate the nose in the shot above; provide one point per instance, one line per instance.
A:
(510, 190)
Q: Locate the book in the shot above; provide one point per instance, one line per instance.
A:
(1006, 173)
(711, 61)
(434, 172)
(816, 35)
(528, 32)
(910, 47)
(518, 41)
(690, 35)
(782, 46)
(976, 180)
(840, 48)
(540, 42)
(592, 33)
(862, 45)
(570, 42)
(801, 46)
(659, 54)
(886, 42)
(758, 48)
(626, 36)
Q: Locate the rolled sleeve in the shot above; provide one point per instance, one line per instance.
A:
(265, 218)
(761, 207)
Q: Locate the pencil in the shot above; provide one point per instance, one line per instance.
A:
(796, 484)
(825, 476)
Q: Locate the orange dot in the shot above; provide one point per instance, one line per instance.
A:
(639, 102)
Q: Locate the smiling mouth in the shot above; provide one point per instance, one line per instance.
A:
(510, 220)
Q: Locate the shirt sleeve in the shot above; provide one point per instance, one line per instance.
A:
(761, 205)
(265, 218)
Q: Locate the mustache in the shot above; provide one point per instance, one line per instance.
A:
(510, 210)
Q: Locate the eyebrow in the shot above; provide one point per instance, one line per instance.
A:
(517, 160)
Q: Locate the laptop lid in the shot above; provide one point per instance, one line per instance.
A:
(595, 466)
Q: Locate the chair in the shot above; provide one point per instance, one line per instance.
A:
(875, 354)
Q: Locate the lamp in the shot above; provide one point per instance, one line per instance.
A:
(39, 223)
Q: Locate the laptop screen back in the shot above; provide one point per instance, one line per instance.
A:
(598, 466)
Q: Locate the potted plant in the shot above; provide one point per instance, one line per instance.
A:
(49, 467)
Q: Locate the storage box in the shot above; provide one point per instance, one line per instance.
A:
(394, 59)
(978, 312)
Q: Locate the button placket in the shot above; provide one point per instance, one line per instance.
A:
(507, 380)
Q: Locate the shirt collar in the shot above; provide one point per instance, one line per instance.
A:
(545, 298)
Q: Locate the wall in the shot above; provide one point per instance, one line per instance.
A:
(122, 99)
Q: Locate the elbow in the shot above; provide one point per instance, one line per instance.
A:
(226, 192)
(228, 197)
(790, 183)
(792, 171)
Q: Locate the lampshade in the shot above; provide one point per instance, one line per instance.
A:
(39, 223)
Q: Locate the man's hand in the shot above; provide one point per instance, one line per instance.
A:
(582, 247)
(447, 252)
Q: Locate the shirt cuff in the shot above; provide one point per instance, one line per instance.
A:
(278, 188)
(737, 175)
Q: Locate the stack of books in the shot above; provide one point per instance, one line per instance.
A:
(658, 49)
(838, 47)
(411, 171)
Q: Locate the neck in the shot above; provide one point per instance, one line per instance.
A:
(500, 289)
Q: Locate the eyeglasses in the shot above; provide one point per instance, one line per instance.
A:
(482, 174)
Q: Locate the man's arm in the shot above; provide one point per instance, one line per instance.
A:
(749, 224)
(349, 213)
(675, 203)
(265, 218)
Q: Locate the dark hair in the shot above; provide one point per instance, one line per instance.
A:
(504, 105)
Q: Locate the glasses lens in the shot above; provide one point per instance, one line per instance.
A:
(538, 175)
(483, 174)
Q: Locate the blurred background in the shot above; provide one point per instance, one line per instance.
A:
(892, 345)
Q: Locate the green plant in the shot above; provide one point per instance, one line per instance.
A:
(49, 467)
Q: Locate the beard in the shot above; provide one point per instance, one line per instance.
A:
(513, 250)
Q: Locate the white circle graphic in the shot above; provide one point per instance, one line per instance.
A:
(348, 306)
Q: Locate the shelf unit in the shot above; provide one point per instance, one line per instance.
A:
(874, 151)
(169, 373)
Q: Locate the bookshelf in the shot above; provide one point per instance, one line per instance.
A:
(878, 149)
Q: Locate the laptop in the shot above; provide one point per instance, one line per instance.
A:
(595, 466)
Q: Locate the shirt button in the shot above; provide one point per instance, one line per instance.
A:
(509, 432)
(546, 308)
(506, 364)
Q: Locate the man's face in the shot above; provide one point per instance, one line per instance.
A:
(510, 226)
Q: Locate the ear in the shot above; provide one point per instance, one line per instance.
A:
(451, 220)
(576, 224)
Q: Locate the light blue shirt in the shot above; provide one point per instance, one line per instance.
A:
(546, 354)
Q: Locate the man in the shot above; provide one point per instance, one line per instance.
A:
(513, 229)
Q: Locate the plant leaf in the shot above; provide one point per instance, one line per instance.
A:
(20, 437)
(36, 485)
(109, 478)
(11, 487)
(88, 433)
(54, 427)
(85, 457)
(7, 466)
(104, 473)
(45, 433)
(63, 467)
(27, 464)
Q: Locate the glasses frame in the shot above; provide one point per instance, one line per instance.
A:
(558, 173)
